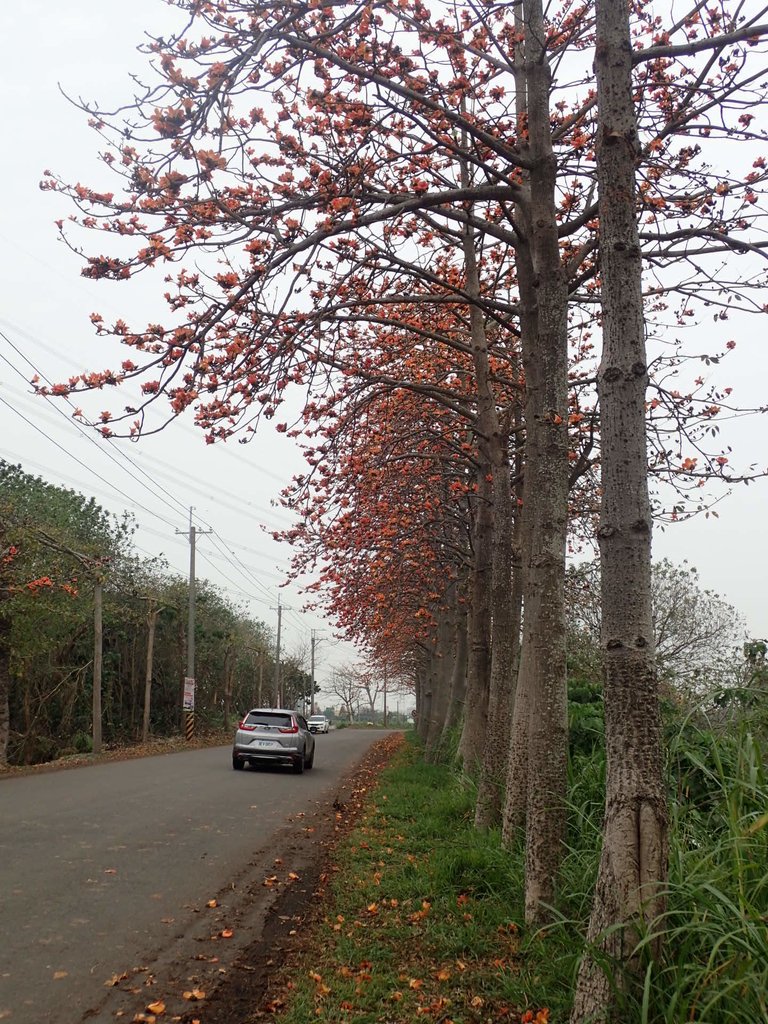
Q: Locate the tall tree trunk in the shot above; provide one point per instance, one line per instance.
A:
(544, 305)
(472, 741)
(490, 795)
(182, 650)
(633, 864)
(516, 787)
(458, 685)
(424, 694)
(448, 640)
(493, 447)
(5, 652)
(97, 664)
(228, 673)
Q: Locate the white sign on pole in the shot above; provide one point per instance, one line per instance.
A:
(189, 694)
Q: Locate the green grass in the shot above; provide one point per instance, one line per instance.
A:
(425, 913)
(715, 963)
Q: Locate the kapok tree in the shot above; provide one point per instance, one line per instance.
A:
(628, 897)
(384, 519)
(315, 194)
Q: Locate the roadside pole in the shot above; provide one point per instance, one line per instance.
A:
(278, 681)
(188, 699)
(312, 643)
(98, 639)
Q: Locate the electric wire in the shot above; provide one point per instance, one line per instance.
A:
(79, 427)
(155, 488)
(179, 424)
(61, 448)
(88, 434)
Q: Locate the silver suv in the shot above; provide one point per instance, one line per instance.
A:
(273, 736)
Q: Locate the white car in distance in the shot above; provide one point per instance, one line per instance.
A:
(318, 723)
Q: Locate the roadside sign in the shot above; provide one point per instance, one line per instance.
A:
(189, 694)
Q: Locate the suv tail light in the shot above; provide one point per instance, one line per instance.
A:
(294, 728)
(247, 728)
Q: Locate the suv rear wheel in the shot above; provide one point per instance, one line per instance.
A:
(237, 764)
(298, 764)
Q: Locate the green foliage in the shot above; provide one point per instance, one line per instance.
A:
(419, 889)
(46, 630)
(697, 634)
(715, 962)
(82, 743)
(586, 717)
(432, 908)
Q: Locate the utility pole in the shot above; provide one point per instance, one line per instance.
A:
(153, 611)
(97, 661)
(312, 643)
(188, 697)
(385, 697)
(258, 696)
(278, 687)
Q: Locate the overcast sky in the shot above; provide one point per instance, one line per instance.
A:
(89, 49)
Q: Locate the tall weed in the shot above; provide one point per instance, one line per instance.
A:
(715, 967)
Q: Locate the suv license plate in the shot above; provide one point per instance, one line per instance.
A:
(267, 743)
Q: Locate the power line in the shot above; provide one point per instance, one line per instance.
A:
(155, 484)
(180, 424)
(78, 461)
(234, 560)
(238, 589)
(223, 546)
(88, 434)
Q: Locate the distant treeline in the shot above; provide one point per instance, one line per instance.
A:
(56, 548)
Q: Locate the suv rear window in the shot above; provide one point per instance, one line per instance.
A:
(270, 719)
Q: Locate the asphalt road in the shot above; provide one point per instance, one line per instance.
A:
(104, 868)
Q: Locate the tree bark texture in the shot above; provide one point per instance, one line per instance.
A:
(501, 699)
(472, 741)
(458, 682)
(5, 690)
(633, 863)
(493, 447)
(544, 305)
(97, 664)
(443, 662)
(228, 672)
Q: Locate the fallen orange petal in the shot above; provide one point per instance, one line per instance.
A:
(195, 995)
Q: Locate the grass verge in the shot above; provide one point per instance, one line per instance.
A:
(421, 918)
